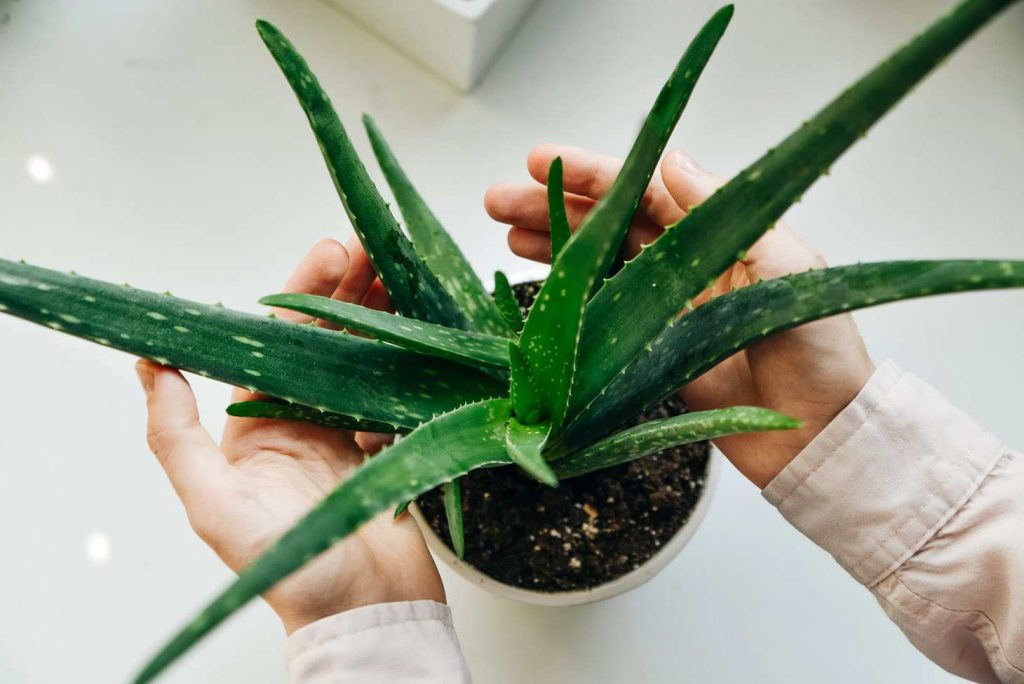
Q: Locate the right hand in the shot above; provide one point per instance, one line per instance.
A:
(242, 496)
(810, 372)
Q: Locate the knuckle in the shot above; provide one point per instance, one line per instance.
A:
(165, 440)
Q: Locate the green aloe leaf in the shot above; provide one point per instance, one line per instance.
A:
(524, 444)
(282, 410)
(452, 494)
(402, 508)
(434, 244)
(702, 338)
(656, 435)
(645, 296)
(304, 364)
(557, 217)
(525, 400)
(415, 291)
(505, 299)
(552, 330)
(474, 349)
(438, 452)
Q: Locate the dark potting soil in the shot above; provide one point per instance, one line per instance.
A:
(588, 530)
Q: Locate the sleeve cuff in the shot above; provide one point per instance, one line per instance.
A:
(387, 642)
(885, 475)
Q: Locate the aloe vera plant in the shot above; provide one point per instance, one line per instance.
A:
(459, 372)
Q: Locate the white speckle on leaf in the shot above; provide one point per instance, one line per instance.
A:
(249, 341)
(156, 316)
(13, 280)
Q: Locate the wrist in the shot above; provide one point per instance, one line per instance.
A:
(296, 609)
(817, 417)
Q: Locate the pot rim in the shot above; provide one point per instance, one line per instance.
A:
(631, 580)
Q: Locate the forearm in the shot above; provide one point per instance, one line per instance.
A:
(399, 643)
(925, 509)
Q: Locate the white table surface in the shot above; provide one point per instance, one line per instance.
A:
(180, 160)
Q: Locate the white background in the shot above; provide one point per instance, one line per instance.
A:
(181, 161)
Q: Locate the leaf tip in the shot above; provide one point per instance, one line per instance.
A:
(265, 28)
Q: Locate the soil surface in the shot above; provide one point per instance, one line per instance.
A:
(587, 531)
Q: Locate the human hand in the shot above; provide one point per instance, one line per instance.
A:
(811, 372)
(267, 474)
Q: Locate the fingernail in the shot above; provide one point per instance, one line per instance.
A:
(686, 163)
(146, 377)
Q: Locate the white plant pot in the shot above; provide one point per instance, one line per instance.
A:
(457, 39)
(620, 585)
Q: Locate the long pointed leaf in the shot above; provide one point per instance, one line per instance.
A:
(557, 218)
(552, 330)
(282, 410)
(402, 508)
(525, 400)
(645, 296)
(473, 349)
(505, 298)
(434, 244)
(452, 494)
(438, 452)
(414, 290)
(702, 338)
(656, 435)
(364, 379)
(524, 443)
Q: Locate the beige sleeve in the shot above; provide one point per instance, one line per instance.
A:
(926, 510)
(398, 643)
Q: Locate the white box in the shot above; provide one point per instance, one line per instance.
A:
(457, 39)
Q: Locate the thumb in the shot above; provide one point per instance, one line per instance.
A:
(687, 181)
(779, 252)
(186, 452)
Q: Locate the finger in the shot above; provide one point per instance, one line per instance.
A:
(373, 442)
(590, 174)
(359, 277)
(526, 206)
(529, 244)
(779, 252)
(686, 180)
(377, 297)
(186, 452)
(318, 273)
(536, 246)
